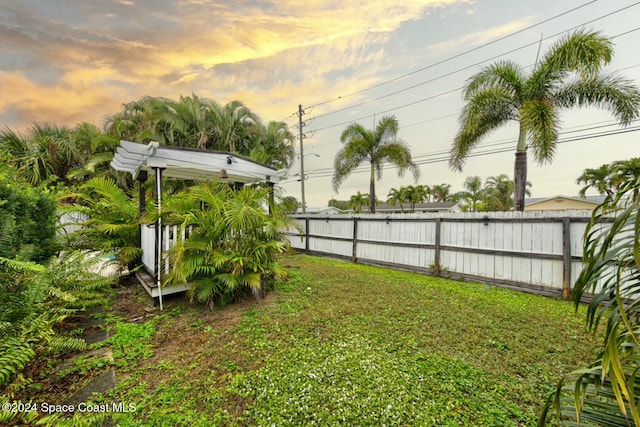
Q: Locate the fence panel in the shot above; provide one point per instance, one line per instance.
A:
(529, 250)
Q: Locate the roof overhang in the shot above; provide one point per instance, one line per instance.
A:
(186, 163)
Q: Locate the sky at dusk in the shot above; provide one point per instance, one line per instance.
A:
(68, 61)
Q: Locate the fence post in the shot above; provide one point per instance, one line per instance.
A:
(306, 236)
(436, 257)
(566, 257)
(355, 240)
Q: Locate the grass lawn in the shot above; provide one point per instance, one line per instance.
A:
(352, 344)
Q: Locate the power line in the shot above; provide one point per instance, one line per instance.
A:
(461, 69)
(440, 157)
(455, 56)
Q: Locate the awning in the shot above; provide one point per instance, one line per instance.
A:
(188, 163)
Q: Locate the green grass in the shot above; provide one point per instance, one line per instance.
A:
(352, 344)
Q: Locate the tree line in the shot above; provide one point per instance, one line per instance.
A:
(53, 154)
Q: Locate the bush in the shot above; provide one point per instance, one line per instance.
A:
(27, 219)
(233, 241)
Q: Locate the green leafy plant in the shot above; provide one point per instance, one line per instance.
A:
(232, 242)
(27, 219)
(111, 222)
(34, 301)
(608, 392)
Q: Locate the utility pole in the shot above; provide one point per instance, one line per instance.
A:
(300, 113)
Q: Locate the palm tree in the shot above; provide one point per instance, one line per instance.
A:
(416, 194)
(499, 192)
(233, 244)
(357, 201)
(289, 204)
(47, 153)
(473, 185)
(440, 192)
(273, 145)
(503, 92)
(599, 179)
(397, 195)
(234, 123)
(376, 147)
(608, 392)
(111, 224)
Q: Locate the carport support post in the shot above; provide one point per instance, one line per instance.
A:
(158, 172)
(142, 178)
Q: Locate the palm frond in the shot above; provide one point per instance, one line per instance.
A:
(583, 51)
(608, 393)
(610, 92)
(540, 119)
(505, 76)
(485, 112)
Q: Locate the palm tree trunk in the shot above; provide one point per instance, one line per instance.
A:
(372, 190)
(520, 172)
(519, 181)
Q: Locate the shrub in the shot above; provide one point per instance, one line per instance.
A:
(233, 241)
(27, 219)
(112, 225)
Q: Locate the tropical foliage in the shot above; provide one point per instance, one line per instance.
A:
(51, 154)
(504, 92)
(358, 201)
(496, 194)
(375, 147)
(608, 392)
(27, 219)
(204, 124)
(232, 241)
(607, 178)
(289, 204)
(109, 220)
(34, 302)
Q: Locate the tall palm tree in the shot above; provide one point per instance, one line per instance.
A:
(376, 147)
(397, 195)
(499, 192)
(504, 92)
(273, 145)
(235, 126)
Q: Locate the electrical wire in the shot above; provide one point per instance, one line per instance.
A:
(443, 156)
(457, 71)
(455, 56)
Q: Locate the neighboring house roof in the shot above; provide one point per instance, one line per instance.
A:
(561, 202)
(418, 207)
(331, 210)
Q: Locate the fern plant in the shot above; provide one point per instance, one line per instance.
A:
(608, 392)
(35, 300)
(232, 244)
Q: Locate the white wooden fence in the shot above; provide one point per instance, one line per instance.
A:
(532, 251)
(148, 239)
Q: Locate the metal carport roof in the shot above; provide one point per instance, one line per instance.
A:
(188, 163)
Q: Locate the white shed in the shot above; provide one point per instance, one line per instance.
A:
(162, 162)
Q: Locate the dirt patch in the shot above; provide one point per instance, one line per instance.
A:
(196, 338)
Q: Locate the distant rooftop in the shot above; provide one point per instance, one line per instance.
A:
(589, 199)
